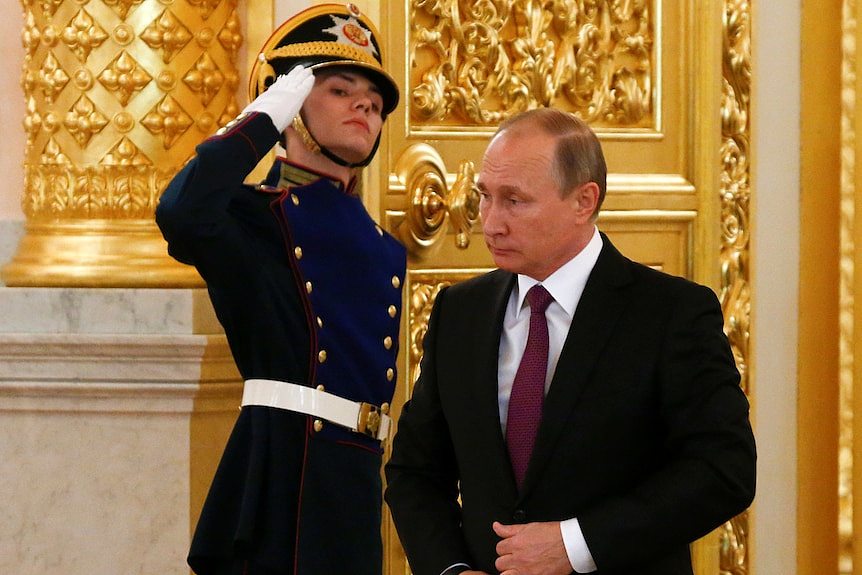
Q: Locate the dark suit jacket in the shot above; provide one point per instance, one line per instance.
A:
(645, 435)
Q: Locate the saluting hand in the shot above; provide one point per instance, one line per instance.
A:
(531, 549)
(283, 99)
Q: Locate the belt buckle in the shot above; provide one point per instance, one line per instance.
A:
(368, 422)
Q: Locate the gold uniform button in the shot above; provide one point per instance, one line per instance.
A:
(319, 322)
(295, 199)
(320, 387)
(390, 373)
(297, 251)
(396, 282)
(387, 342)
(308, 287)
(321, 356)
(392, 311)
(318, 425)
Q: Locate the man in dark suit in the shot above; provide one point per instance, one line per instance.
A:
(602, 436)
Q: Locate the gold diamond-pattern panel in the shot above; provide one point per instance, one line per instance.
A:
(230, 36)
(51, 78)
(123, 7)
(167, 34)
(205, 7)
(169, 120)
(475, 64)
(50, 6)
(32, 121)
(84, 121)
(125, 153)
(124, 77)
(82, 35)
(205, 79)
(52, 154)
(30, 35)
(122, 85)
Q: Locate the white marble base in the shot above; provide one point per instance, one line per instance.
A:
(11, 232)
(115, 406)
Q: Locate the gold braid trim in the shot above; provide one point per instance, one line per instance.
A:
(310, 49)
(307, 140)
(321, 49)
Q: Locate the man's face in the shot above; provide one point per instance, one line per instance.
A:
(343, 112)
(529, 228)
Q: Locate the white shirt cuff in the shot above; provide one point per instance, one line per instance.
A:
(576, 547)
(447, 569)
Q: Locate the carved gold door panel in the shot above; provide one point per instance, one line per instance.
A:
(646, 75)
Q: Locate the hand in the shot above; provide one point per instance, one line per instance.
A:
(283, 99)
(531, 549)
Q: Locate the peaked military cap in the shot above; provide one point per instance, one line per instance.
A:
(324, 36)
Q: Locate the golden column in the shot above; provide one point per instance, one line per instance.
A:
(118, 94)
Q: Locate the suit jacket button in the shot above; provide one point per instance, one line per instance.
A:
(519, 516)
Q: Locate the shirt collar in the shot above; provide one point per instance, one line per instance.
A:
(567, 283)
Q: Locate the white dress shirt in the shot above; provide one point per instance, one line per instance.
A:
(566, 286)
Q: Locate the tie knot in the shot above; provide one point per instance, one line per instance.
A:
(539, 299)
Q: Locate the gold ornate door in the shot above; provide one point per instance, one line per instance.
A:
(646, 74)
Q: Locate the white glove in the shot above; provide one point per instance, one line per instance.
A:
(283, 99)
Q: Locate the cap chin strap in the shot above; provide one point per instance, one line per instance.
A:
(313, 146)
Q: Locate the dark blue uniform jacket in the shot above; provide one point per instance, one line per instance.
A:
(308, 290)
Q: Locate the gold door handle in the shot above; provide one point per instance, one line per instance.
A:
(431, 203)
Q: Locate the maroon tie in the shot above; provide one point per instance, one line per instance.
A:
(528, 389)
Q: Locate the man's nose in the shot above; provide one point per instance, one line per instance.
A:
(362, 103)
(492, 223)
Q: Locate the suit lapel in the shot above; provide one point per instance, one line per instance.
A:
(486, 353)
(598, 311)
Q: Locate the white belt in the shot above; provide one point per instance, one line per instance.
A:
(361, 417)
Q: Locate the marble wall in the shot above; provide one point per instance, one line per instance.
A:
(115, 406)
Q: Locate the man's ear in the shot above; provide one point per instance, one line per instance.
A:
(586, 199)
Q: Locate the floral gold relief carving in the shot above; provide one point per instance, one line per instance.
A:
(479, 63)
(422, 289)
(423, 292)
(118, 93)
(735, 291)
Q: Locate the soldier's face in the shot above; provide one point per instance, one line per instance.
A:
(343, 112)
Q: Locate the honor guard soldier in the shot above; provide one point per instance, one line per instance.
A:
(308, 290)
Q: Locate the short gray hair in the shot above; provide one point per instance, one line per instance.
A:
(578, 157)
